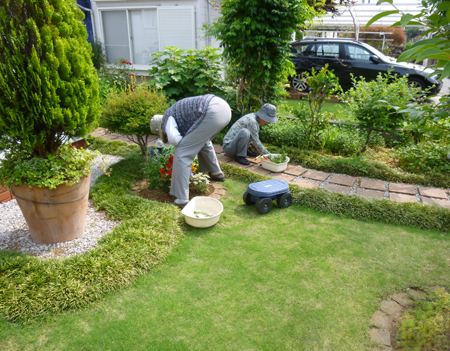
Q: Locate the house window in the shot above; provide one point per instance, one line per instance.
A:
(135, 34)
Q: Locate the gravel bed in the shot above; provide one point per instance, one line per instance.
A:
(14, 233)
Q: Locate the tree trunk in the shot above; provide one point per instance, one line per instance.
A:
(366, 144)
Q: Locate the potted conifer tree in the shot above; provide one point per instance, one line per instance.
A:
(48, 94)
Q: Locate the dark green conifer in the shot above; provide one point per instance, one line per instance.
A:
(48, 85)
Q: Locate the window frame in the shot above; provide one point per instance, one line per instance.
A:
(127, 10)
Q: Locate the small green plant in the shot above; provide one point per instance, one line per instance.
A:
(130, 111)
(280, 158)
(371, 102)
(115, 78)
(68, 166)
(323, 85)
(158, 169)
(424, 157)
(427, 325)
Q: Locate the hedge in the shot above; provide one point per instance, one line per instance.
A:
(357, 207)
(360, 167)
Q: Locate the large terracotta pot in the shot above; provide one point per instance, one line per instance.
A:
(54, 215)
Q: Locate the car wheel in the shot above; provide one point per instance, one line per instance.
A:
(417, 83)
(298, 83)
(264, 205)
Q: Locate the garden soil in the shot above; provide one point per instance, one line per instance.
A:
(141, 189)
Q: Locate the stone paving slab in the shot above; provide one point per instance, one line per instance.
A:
(402, 197)
(439, 202)
(338, 188)
(283, 176)
(432, 192)
(402, 299)
(381, 320)
(380, 336)
(254, 160)
(237, 164)
(218, 149)
(220, 191)
(373, 184)
(402, 188)
(295, 170)
(307, 183)
(316, 175)
(224, 158)
(343, 180)
(370, 193)
(417, 294)
(215, 196)
(98, 133)
(391, 307)
(260, 170)
(111, 136)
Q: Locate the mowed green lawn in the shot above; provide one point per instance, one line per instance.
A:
(292, 279)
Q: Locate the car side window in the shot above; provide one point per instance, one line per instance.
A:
(303, 50)
(355, 52)
(328, 50)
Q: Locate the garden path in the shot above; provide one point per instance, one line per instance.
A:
(340, 183)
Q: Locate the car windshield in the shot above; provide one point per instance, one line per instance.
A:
(378, 53)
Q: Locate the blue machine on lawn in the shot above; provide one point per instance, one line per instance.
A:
(263, 193)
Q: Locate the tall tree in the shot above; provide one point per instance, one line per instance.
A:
(255, 36)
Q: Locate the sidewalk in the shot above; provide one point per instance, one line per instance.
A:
(340, 183)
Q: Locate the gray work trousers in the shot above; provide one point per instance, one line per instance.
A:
(238, 146)
(218, 115)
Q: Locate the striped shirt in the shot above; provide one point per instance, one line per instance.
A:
(250, 122)
(188, 113)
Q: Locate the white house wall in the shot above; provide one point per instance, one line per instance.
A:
(203, 12)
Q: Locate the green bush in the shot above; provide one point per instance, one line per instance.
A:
(358, 207)
(130, 111)
(343, 140)
(426, 326)
(287, 132)
(111, 147)
(185, 73)
(346, 140)
(424, 157)
(371, 102)
(68, 166)
(361, 167)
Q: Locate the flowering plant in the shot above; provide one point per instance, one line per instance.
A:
(158, 168)
(166, 174)
(199, 182)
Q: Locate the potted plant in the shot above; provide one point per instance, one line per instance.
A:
(274, 162)
(48, 94)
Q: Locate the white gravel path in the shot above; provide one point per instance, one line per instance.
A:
(14, 233)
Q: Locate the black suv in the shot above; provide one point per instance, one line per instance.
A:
(345, 56)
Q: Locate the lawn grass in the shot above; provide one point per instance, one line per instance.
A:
(293, 279)
(342, 112)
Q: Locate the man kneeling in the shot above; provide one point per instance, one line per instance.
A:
(245, 131)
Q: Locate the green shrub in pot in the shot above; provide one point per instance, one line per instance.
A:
(48, 84)
(48, 95)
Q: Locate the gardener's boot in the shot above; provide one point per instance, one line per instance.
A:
(242, 160)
